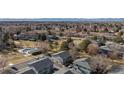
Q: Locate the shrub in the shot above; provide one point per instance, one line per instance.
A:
(64, 46)
(100, 65)
(94, 37)
(118, 39)
(83, 45)
(69, 40)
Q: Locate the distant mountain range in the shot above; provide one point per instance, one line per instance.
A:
(65, 19)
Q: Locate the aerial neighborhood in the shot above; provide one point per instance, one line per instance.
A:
(61, 47)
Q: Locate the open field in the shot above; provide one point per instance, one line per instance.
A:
(15, 58)
(23, 43)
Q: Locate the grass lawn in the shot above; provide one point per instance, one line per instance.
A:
(26, 43)
(14, 57)
(17, 58)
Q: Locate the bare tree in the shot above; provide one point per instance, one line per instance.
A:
(92, 49)
(44, 46)
(100, 65)
(114, 55)
(74, 53)
(3, 62)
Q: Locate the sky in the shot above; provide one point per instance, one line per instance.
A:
(61, 8)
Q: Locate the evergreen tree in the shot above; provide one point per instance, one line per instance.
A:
(64, 46)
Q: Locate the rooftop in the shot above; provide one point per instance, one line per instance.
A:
(105, 48)
(82, 63)
(41, 63)
(26, 70)
(61, 54)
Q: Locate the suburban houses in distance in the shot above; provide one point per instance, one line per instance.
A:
(66, 46)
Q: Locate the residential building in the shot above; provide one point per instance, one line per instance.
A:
(62, 57)
(82, 66)
(42, 66)
(105, 50)
(27, 70)
(66, 71)
(117, 69)
(30, 51)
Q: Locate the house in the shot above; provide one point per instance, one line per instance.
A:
(52, 37)
(66, 71)
(62, 57)
(30, 51)
(121, 55)
(100, 40)
(34, 37)
(114, 46)
(117, 69)
(24, 36)
(15, 70)
(42, 65)
(35, 52)
(21, 68)
(27, 70)
(9, 71)
(105, 50)
(35, 66)
(62, 71)
(82, 66)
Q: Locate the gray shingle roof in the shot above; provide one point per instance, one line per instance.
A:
(62, 71)
(105, 48)
(84, 70)
(27, 70)
(41, 64)
(63, 55)
(34, 51)
(82, 63)
(82, 66)
(67, 71)
(117, 69)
